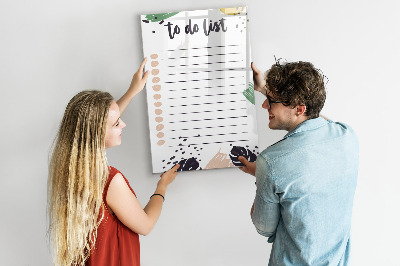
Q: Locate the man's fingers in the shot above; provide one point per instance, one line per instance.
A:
(244, 169)
(262, 90)
(254, 68)
(258, 80)
(243, 160)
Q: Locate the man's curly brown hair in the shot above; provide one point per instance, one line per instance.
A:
(297, 83)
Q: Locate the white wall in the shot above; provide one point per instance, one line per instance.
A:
(49, 50)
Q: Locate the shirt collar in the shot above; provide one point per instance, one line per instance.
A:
(307, 125)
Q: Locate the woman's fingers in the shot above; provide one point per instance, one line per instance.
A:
(172, 171)
(175, 168)
(146, 75)
(169, 175)
(142, 65)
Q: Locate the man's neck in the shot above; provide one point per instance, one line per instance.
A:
(298, 121)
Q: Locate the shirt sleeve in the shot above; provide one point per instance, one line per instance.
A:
(266, 212)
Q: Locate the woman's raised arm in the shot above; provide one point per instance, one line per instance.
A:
(137, 85)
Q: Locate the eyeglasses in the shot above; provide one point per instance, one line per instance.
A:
(264, 91)
(270, 101)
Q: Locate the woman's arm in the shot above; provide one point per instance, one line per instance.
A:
(137, 85)
(125, 205)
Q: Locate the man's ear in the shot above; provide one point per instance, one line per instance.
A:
(300, 110)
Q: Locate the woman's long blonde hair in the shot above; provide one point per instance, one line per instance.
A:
(78, 171)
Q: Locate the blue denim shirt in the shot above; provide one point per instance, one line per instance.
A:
(305, 189)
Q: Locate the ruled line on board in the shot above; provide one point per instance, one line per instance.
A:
(207, 55)
(234, 61)
(209, 87)
(195, 144)
(208, 111)
(207, 119)
(197, 96)
(222, 134)
(205, 103)
(181, 81)
(205, 47)
(236, 125)
(207, 71)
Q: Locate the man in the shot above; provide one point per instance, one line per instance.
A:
(305, 182)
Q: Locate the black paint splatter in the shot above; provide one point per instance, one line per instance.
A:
(188, 164)
(241, 151)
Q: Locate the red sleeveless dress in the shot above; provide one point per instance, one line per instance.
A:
(116, 244)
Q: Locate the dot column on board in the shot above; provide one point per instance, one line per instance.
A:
(157, 97)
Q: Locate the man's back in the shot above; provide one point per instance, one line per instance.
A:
(305, 190)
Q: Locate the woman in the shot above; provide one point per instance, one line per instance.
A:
(95, 217)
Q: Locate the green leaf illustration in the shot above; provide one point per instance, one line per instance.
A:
(160, 17)
(249, 93)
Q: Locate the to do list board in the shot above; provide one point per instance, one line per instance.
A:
(200, 94)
